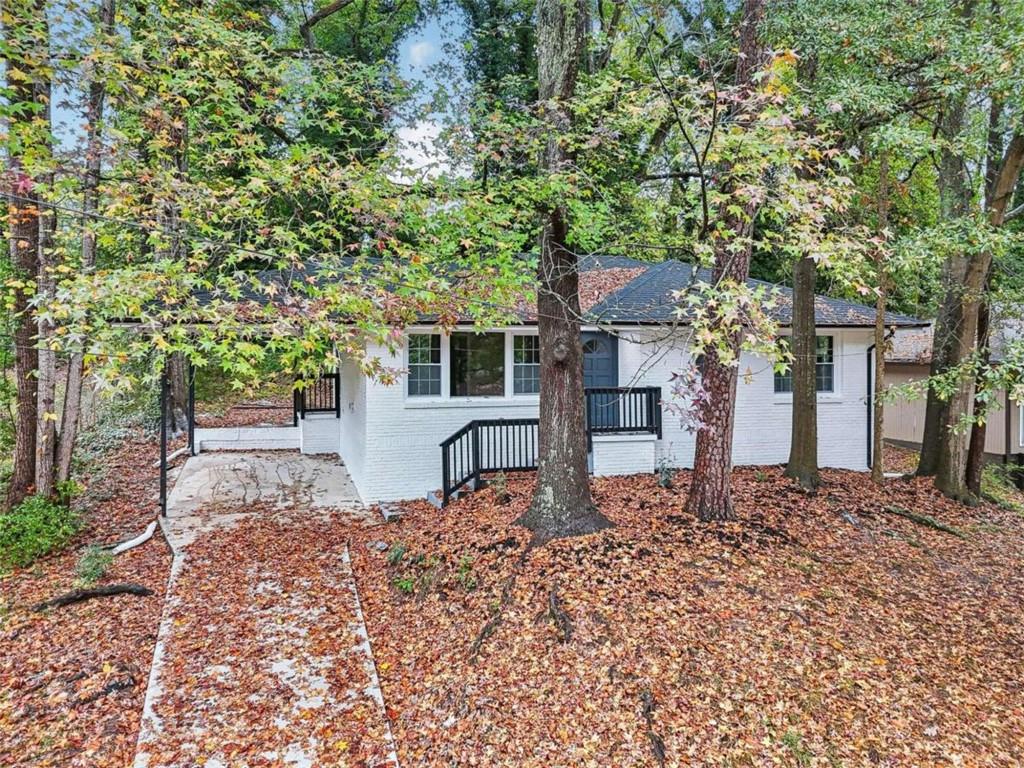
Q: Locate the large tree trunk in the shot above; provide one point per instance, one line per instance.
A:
(878, 405)
(710, 496)
(23, 221)
(23, 224)
(72, 411)
(803, 449)
(562, 504)
(951, 471)
(955, 199)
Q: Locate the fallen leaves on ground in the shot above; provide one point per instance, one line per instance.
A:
(269, 411)
(72, 680)
(265, 663)
(812, 630)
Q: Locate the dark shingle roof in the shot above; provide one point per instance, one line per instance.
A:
(629, 292)
(650, 298)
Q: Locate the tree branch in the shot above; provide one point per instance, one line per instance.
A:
(306, 28)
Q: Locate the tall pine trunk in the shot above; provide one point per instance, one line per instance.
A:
(803, 448)
(976, 447)
(710, 496)
(562, 504)
(72, 410)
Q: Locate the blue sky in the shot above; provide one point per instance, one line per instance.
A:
(428, 56)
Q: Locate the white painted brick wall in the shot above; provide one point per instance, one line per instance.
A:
(391, 444)
(246, 438)
(352, 424)
(623, 454)
(319, 433)
(763, 418)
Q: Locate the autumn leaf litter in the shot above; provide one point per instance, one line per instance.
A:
(812, 630)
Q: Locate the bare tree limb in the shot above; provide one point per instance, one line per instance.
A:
(78, 595)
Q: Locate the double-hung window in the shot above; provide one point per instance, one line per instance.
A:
(824, 369)
(424, 364)
(525, 365)
(477, 364)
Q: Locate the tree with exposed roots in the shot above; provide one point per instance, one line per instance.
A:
(562, 504)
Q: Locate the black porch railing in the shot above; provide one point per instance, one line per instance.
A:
(622, 410)
(511, 445)
(321, 395)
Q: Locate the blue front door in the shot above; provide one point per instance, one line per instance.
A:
(601, 369)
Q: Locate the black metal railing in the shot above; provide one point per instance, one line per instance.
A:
(511, 445)
(321, 395)
(623, 410)
(487, 445)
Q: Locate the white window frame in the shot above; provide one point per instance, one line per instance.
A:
(407, 364)
(511, 362)
(837, 370)
(446, 398)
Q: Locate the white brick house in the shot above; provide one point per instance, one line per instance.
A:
(389, 435)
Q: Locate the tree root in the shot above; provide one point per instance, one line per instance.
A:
(111, 687)
(496, 615)
(78, 595)
(559, 617)
(647, 710)
(926, 521)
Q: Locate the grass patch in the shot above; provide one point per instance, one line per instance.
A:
(32, 529)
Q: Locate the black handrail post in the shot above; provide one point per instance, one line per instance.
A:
(445, 475)
(295, 406)
(337, 394)
(657, 411)
(191, 409)
(476, 454)
(587, 422)
(163, 439)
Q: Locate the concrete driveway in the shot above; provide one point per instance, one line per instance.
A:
(215, 489)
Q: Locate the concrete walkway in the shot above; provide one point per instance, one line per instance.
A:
(262, 656)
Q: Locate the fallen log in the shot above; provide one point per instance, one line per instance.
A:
(79, 595)
(926, 521)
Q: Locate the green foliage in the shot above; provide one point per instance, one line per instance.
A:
(396, 553)
(498, 484)
(93, 564)
(666, 473)
(464, 575)
(406, 584)
(792, 740)
(32, 529)
(999, 484)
